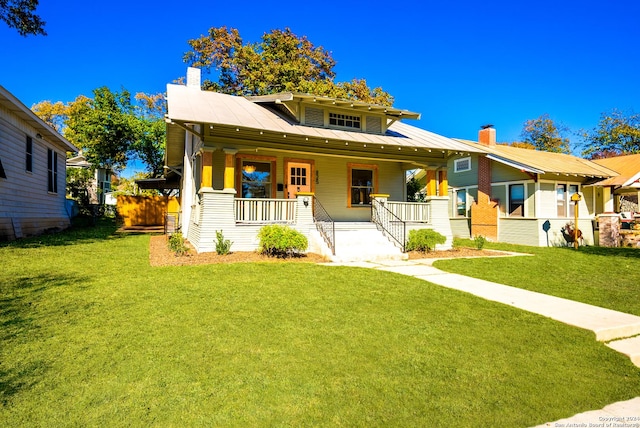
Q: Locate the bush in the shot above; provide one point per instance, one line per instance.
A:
(281, 241)
(424, 240)
(177, 245)
(480, 241)
(223, 246)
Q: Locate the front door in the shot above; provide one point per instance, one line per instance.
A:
(298, 176)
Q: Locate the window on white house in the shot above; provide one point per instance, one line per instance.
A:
(52, 171)
(516, 200)
(256, 179)
(573, 189)
(462, 165)
(461, 203)
(561, 199)
(2, 174)
(344, 120)
(29, 155)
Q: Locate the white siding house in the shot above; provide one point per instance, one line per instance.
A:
(33, 175)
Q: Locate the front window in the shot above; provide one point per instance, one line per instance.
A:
(573, 189)
(561, 199)
(52, 171)
(362, 183)
(516, 200)
(256, 179)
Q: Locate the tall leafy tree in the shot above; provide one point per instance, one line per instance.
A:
(281, 61)
(617, 134)
(111, 128)
(545, 135)
(20, 14)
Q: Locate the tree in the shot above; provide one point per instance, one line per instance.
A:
(19, 14)
(616, 134)
(281, 62)
(110, 129)
(545, 135)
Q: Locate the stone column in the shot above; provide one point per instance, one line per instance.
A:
(609, 225)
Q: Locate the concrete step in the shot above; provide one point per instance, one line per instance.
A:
(363, 242)
(629, 347)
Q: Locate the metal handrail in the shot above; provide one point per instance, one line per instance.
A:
(392, 225)
(325, 225)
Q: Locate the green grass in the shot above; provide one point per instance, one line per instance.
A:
(91, 335)
(606, 277)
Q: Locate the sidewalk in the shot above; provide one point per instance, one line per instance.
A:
(616, 328)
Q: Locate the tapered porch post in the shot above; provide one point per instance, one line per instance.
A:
(229, 168)
(431, 182)
(207, 168)
(443, 185)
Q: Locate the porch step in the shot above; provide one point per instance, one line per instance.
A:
(363, 242)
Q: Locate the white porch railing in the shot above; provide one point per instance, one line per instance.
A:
(411, 211)
(254, 210)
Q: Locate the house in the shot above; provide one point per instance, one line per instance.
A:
(101, 184)
(32, 175)
(523, 196)
(622, 191)
(333, 169)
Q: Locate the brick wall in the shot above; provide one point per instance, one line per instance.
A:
(484, 212)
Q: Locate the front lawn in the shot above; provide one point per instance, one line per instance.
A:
(606, 277)
(93, 336)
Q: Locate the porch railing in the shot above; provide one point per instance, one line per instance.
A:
(392, 225)
(254, 210)
(325, 225)
(419, 212)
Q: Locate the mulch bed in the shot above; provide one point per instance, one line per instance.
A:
(160, 255)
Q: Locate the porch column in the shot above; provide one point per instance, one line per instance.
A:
(207, 168)
(229, 168)
(431, 182)
(443, 185)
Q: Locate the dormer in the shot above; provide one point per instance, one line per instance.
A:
(333, 113)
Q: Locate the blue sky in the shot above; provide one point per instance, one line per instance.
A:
(461, 64)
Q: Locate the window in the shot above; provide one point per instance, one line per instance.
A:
(573, 189)
(52, 171)
(29, 155)
(461, 203)
(362, 183)
(2, 174)
(561, 198)
(344, 120)
(461, 165)
(256, 179)
(516, 200)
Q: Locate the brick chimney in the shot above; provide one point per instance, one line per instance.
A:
(487, 135)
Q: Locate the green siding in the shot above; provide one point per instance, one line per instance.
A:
(530, 203)
(500, 193)
(502, 173)
(462, 179)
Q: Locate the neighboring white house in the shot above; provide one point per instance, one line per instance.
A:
(32, 175)
(99, 192)
(308, 161)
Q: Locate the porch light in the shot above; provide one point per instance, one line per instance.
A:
(305, 201)
(249, 169)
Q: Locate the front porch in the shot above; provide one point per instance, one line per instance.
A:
(240, 219)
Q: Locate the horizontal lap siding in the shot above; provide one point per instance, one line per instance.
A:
(24, 198)
(519, 231)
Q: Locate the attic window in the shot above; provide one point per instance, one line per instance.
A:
(461, 165)
(344, 120)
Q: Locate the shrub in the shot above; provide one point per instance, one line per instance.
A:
(281, 241)
(424, 240)
(480, 241)
(223, 246)
(177, 245)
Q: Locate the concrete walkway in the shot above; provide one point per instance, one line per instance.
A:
(616, 328)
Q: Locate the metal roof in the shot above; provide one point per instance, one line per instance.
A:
(191, 105)
(627, 166)
(15, 106)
